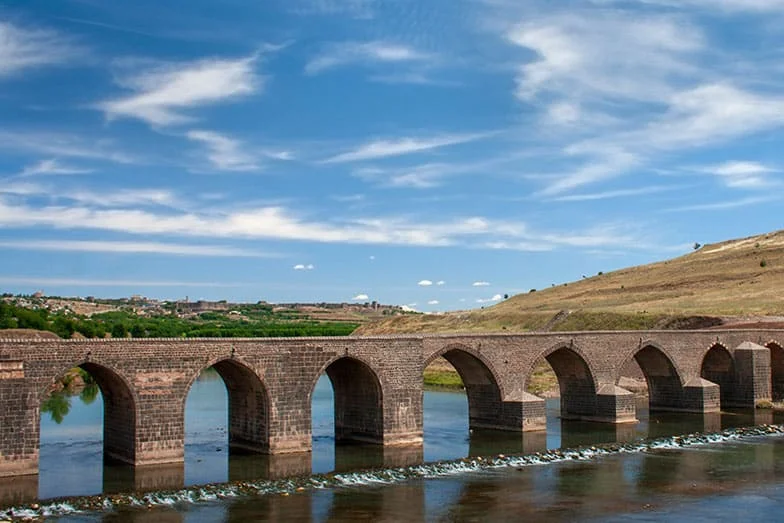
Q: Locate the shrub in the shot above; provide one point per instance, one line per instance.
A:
(763, 263)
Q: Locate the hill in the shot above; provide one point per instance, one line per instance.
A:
(728, 283)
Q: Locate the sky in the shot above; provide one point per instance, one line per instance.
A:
(437, 154)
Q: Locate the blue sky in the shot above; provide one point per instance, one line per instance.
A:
(436, 153)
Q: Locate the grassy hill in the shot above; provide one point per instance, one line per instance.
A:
(730, 282)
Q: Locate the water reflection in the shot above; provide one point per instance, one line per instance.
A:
(72, 461)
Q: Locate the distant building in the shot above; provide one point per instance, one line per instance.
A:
(202, 306)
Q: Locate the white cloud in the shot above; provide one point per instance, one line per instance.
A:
(425, 283)
(51, 167)
(360, 297)
(134, 248)
(409, 307)
(283, 156)
(602, 54)
(711, 113)
(402, 146)
(47, 281)
(371, 258)
(753, 6)
(160, 212)
(495, 298)
(618, 193)
(163, 93)
(743, 175)
(433, 302)
(63, 144)
(117, 197)
(361, 9)
(123, 197)
(608, 164)
(225, 154)
(23, 48)
(440, 282)
(725, 205)
(481, 284)
(304, 267)
(365, 53)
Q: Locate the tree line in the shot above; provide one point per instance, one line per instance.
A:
(122, 324)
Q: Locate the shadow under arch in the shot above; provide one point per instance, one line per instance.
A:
(665, 385)
(249, 404)
(718, 366)
(576, 381)
(119, 410)
(776, 370)
(358, 396)
(483, 390)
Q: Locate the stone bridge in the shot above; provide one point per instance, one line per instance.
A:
(377, 383)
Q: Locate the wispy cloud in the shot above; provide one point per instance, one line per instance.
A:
(43, 281)
(360, 297)
(594, 54)
(27, 48)
(402, 146)
(223, 152)
(164, 93)
(724, 205)
(123, 247)
(752, 6)
(481, 284)
(362, 9)
(742, 175)
(433, 302)
(65, 145)
(159, 212)
(113, 198)
(365, 53)
(304, 267)
(425, 283)
(51, 167)
(618, 193)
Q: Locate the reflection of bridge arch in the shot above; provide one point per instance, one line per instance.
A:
(665, 381)
(576, 379)
(359, 395)
(248, 403)
(483, 388)
(718, 366)
(119, 408)
(776, 370)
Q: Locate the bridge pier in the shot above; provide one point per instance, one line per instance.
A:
(753, 375)
(523, 415)
(615, 405)
(701, 395)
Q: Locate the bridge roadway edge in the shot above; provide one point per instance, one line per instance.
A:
(153, 376)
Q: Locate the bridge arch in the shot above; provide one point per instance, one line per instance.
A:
(662, 375)
(576, 379)
(484, 390)
(358, 395)
(249, 403)
(776, 369)
(120, 407)
(718, 366)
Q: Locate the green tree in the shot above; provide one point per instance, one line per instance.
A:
(119, 330)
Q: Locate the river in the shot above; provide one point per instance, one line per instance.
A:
(632, 473)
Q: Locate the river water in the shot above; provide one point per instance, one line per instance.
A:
(625, 473)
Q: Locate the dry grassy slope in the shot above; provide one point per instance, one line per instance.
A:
(723, 279)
